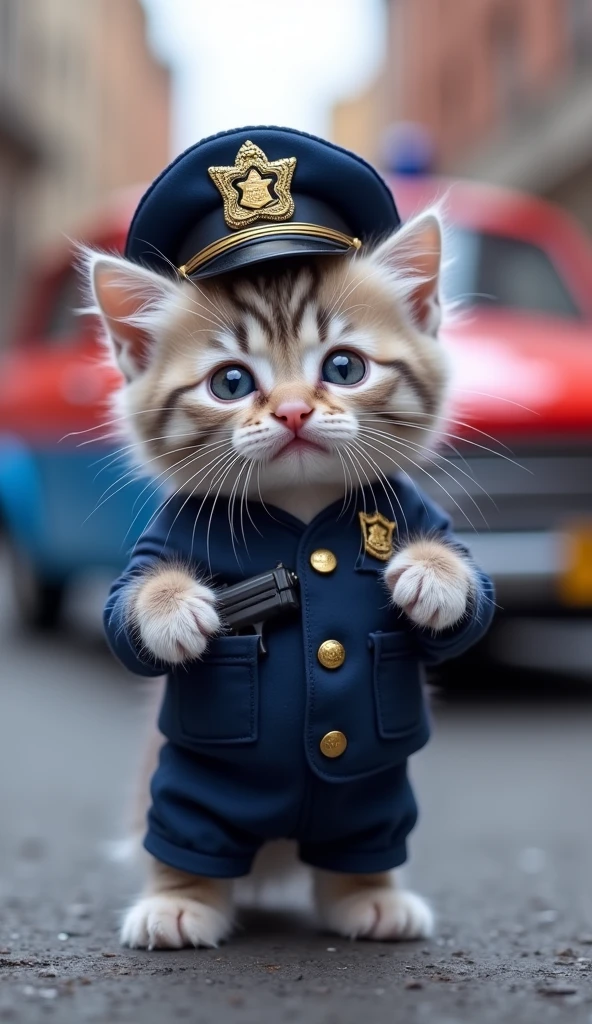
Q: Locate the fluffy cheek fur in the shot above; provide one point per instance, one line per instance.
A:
(182, 435)
(431, 582)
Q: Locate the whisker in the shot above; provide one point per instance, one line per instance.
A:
(262, 502)
(387, 413)
(217, 323)
(413, 482)
(436, 481)
(422, 448)
(355, 305)
(139, 470)
(326, 312)
(231, 504)
(169, 473)
(200, 475)
(336, 308)
(224, 316)
(382, 478)
(179, 277)
(247, 506)
(133, 473)
(442, 470)
(463, 440)
(122, 453)
(237, 458)
(498, 398)
(424, 452)
(244, 504)
(217, 468)
(348, 485)
(116, 419)
(337, 297)
(207, 300)
(355, 464)
(174, 494)
(159, 252)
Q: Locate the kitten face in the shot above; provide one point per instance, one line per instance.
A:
(289, 375)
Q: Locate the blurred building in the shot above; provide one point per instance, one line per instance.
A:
(84, 109)
(504, 87)
(359, 121)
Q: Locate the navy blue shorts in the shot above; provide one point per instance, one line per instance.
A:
(207, 819)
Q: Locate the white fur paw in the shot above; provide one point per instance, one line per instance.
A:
(175, 615)
(431, 583)
(171, 922)
(382, 914)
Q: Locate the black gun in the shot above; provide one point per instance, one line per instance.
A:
(255, 601)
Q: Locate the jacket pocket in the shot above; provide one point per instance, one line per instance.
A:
(398, 689)
(217, 701)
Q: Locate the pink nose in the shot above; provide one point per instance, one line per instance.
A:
(293, 415)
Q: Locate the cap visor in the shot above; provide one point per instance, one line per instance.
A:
(261, 250)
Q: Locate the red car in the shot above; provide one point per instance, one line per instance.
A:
(521, 414)
(62, 509)
(520, 424)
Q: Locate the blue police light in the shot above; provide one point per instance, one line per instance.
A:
(408, 149)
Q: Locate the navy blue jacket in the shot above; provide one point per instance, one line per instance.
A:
(243, 762)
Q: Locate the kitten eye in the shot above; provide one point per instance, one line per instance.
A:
(343, 368)
(232, 382)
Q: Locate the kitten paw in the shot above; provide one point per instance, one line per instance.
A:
(171, 922)
(431, 583)
(175, 615)
(381, 914)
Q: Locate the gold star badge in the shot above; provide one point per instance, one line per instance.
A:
(377, 533)
(255, 188)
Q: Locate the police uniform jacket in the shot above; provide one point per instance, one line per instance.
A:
(282, 744)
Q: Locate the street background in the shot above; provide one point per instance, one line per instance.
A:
(502, 849)
(95, 99)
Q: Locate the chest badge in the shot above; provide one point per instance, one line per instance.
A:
(377, 532)
(255, 188)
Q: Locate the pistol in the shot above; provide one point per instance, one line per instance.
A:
(248, 605)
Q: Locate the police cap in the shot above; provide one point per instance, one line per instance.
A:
(255, 194)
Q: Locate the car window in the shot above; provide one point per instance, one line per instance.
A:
(496, 270)
(62, 320)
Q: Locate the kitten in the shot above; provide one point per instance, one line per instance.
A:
(293, 384)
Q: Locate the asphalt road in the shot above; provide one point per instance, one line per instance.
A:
(504, 850)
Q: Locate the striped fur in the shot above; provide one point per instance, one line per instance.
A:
(280, 320)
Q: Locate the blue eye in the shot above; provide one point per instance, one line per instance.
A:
(231, 383)
(343, 368)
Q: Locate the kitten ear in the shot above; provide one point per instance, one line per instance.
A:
(414, 256)
(133, 303)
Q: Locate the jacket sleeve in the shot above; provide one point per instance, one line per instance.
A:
(153, 547)
(432, 521)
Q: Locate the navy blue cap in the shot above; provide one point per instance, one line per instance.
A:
(255, 194)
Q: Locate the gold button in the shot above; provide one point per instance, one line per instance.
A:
(333, 744)
(323, 560)
(331, 654)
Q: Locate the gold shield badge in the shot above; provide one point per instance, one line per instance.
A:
(377, 532)
(255, 188)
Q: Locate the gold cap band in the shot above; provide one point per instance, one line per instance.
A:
(251, 234)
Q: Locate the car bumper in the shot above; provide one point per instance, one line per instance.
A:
(528, 568)
(531, 513)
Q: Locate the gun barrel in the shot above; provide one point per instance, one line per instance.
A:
(256, 600)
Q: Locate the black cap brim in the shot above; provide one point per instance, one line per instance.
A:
(339, 202)
(272, 247)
